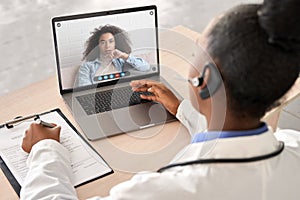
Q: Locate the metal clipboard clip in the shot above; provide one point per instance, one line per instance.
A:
(18, 120)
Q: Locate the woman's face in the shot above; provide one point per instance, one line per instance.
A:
(106, 44)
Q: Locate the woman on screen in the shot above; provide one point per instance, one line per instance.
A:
(107, 50)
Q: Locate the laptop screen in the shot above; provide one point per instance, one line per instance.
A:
(102, 48)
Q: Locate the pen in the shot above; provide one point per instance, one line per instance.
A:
(46, 124)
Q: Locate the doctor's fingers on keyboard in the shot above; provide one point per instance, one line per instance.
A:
(143, 85)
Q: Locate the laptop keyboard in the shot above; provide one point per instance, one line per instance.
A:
(110, 99)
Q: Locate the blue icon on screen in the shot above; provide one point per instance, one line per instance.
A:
(99, 78)
(105, 77)
(111, 76)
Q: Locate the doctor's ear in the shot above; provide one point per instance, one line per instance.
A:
(205, 77)
(211, 81)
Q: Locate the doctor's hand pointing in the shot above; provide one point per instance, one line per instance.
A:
(160, 92)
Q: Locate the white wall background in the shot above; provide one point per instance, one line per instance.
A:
(27, 53)
(73, 34)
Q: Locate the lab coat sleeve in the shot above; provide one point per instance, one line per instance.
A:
(290, 137)
(192, 119)
(50, 174)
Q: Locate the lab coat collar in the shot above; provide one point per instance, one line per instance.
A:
(234, 147)
(211, 135)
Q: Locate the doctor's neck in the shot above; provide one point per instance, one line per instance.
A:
(233, 123)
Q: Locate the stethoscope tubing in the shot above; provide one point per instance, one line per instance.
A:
(226, 160)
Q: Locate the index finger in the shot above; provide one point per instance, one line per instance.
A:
(142, 85)
(138, 83)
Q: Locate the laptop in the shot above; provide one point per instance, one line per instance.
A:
(97, 55)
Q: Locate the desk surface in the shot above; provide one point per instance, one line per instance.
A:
(164, 140)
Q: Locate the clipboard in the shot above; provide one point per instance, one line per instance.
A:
(10, 125)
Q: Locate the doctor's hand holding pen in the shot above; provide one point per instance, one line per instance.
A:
(37, 132)
(160, 92)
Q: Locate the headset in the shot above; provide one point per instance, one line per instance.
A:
(213, 82)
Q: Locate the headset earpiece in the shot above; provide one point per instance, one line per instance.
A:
(213, 83)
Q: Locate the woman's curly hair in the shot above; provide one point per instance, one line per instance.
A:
(121, 39)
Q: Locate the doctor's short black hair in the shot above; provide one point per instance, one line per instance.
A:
(122, 41)
(258, 60)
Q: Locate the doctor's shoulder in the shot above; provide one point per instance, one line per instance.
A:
(290, 137)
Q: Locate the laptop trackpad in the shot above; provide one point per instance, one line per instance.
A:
(139, 116)
(124, 120)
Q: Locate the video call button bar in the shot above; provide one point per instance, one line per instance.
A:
(111, 76)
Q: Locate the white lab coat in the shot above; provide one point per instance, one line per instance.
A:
(276, 178)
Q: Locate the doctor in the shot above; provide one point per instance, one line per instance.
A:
(255, 49)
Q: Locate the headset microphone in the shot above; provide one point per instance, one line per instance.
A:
(197, 81)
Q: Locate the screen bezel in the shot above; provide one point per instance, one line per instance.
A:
(97, 14)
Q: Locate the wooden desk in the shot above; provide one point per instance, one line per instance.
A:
(166, 140)
(44, 95)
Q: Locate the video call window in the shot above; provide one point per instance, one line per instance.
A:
(104, 48)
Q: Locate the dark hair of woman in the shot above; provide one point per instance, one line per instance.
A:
(122, 41)
(257, 69)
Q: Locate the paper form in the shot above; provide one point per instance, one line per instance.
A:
(85, 162)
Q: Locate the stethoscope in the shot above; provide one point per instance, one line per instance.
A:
(226, 160)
